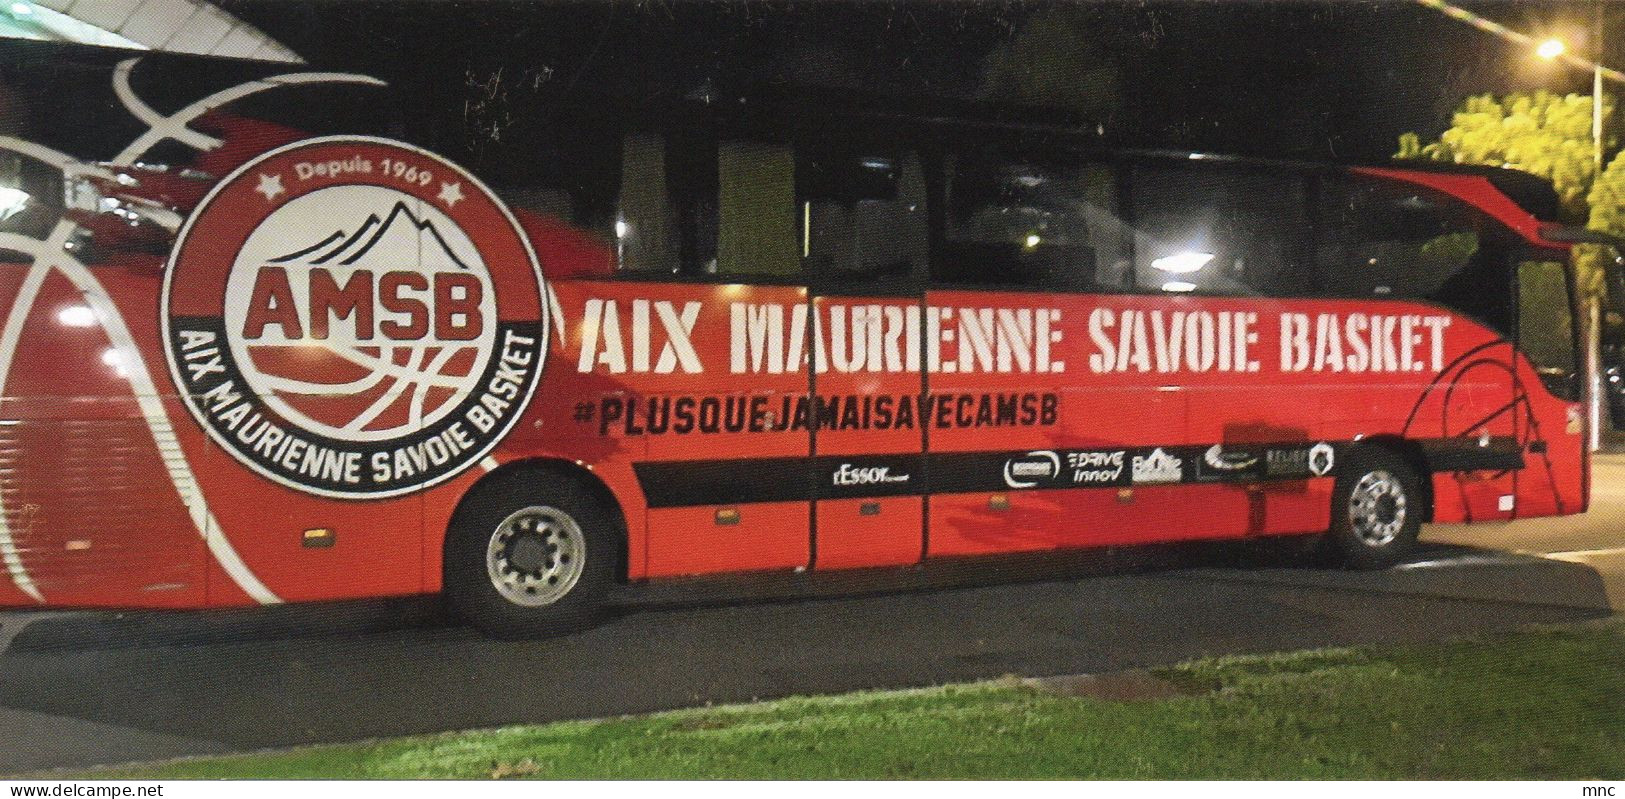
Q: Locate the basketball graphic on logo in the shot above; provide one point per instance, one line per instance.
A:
(381, 367)
(354, 317)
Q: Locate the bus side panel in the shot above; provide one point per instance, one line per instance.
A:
(1001, 516)
(1238, 418)
(1112, 418)
(720, 520)
(375, 545)
(1486, 494)
(93, 519)
(646, 380)
(258, 548)
(1552, 483)
(90, 512)
(870, 506)
(116, 497)
(1093, 418)
(1471, 405)
(1240, 409)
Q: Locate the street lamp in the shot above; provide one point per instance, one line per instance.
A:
(1550, 50)
(1553, 48)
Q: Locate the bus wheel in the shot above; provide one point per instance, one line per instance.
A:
(1376, 510)
(530, 555)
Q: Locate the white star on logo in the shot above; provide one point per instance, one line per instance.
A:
(450, 193)
(270, 186)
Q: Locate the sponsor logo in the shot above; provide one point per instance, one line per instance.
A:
(1217, 459)
(333, 318)
(1158, 467)
(1286, 462)
(849, 475)
(1220, 464)
(1026, 471)
(1321, 459)
(1096, 467)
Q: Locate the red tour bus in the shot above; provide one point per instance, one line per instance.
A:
(247, 361)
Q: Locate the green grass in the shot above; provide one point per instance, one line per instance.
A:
(1545, 703)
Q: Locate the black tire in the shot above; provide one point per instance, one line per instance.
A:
(554, 545)
(1377, 509)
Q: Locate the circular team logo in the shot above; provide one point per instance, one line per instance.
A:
(354, 317)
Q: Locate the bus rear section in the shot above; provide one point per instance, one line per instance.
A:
(310, 364)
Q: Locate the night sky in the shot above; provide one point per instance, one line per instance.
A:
(1291, 79)
(1314, 80)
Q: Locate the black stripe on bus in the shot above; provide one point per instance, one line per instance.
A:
(1499, 454)
(671, 484)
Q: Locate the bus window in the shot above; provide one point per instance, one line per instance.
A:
(1219, 231)
(862, 214)
(756, 224)
(27, 192)
(1382, 239)
(694, 205)
(1026, 225)
(646, 223)
(1543, 295)
(1394, 240)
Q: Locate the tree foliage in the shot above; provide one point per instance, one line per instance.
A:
(1539, 132)
(1548, 135)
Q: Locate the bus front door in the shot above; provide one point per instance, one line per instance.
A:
(1550, 422)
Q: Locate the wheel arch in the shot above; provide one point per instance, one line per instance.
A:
(1412, 453)
(513, 475)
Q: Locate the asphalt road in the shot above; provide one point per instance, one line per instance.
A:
(83, 689)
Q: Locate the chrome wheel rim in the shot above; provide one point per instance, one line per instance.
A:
(535, 556)
(1377, 508)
